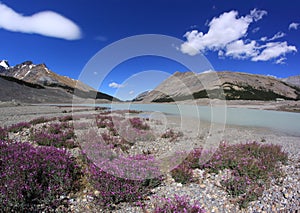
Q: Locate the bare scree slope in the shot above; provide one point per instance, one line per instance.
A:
(229, 85)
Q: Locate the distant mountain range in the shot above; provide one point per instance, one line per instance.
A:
(27, 82)
(31, 83)
(229, 85)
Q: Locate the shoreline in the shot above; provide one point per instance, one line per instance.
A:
(14, 113)
(284, 106)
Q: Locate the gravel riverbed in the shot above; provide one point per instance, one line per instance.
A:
(283, 195)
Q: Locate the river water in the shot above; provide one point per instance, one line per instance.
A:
(286, 122)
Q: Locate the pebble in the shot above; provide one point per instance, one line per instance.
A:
(202, 186)
(96, 193)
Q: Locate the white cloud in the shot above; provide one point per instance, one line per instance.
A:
(207, 71)
(280, 60)
(257, 14)
(46, 23)
(227, 35)
(273, 50)
(276, 36)
(226, 28)
(116, 85)
(220, 53)
(273, 76)
(256, 29)
(238, 49)
(265, 38)
(131, 92)
(293, 26)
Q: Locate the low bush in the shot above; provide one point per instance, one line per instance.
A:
(116, 141)
(182, 173)
(251, 164)
(137, 123)
(118, 178)
(177, 204)
(18, 127)
(3, 133)
(171, 134)
(193, 158)
(104, 121)
(65, 118)
(33, 178)
(258, 161)
(41, 120)
(55, 134)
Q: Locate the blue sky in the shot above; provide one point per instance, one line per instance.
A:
(259, 36)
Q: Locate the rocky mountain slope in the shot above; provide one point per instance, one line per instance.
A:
(14, 90)
(294, 80)
(39, 81)
(141, 96)
(40, 74)
(229, 85)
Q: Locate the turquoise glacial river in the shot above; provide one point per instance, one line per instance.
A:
(286, 122)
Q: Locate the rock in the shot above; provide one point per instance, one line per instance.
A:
(202, 186)
(215, 209)
(179, 184)
(96, 193)
(198, 173)
(89, 198)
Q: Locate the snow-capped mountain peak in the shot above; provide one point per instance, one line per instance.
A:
(4, 64)
(40, 74)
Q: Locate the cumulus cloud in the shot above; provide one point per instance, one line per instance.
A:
(227, 35)
(46, 23)
(226, 24)
(273, 50)
(226, 28)
(116, 85)
(293, 26)
(241, 50)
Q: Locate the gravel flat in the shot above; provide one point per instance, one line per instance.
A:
(279, 197)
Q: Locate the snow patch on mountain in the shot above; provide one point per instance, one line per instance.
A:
(4, 64)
